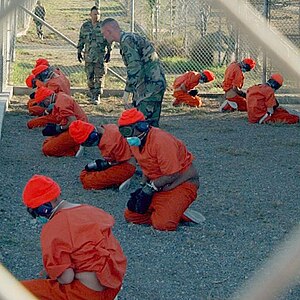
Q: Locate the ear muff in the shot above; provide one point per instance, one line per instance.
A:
(142, 126)
(44, 210)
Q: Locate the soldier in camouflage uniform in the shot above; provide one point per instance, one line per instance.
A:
(39, 11)
(145, 75)
(96, 52)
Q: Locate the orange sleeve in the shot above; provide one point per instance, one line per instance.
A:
(64, 106)
(113, 146)
(56, 248)
(59, 84)
(233, 77)
(189, 79)
(270, 97)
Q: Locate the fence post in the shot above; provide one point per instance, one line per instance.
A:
(132, 16)
(264, 70)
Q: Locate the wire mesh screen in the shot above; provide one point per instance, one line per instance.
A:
(188, 35)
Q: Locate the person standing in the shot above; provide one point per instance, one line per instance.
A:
(39, 11)
(96, 53)
(233, 83)
(145, 75)
(81, 256)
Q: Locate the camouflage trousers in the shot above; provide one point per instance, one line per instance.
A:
(95, 73)
(151, 108)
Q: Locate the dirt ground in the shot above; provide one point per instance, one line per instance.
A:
(249, 194)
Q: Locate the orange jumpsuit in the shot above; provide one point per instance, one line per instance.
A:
(63, 144)
(114, 148)
(234, 77)
(80, 238)
(162, 155)
(59, 83)
(190, 80)
(259, 98)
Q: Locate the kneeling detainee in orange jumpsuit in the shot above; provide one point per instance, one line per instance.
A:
(117, 164)
(171, 180)
(232, 84)
(45, 75)
(81, 256)
(184, 87)
(263, 107)
(65, 110)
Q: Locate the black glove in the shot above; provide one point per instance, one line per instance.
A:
(79, 57)
(51, 129)
(31, 96)
(97, 165)
(107, 57)
(193, 92)
(140, 199)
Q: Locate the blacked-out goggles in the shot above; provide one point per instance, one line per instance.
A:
(92, 140)
(126, 131)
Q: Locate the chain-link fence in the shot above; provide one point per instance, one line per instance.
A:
(188, 35)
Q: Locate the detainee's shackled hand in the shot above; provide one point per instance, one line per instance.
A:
(79, 57)
(52, 129)
(97, 165)
(193, 92)
(107, 57)
(141, 199)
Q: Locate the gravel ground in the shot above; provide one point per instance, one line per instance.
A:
(249, 194)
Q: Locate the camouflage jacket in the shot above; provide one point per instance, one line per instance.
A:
(145, 75)
(93, 42)
(40, 12)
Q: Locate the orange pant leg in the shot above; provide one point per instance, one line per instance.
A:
(167, 208)
(60, 145)
(34, 109)
(48, 289)
(184, 98)
(112, 176)
(240, 101)
(41, 121)
(281, 115)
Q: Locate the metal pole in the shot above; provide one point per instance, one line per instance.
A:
(264, 70)
(132, 16)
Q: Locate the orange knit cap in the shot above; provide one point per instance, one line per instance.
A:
(80, 131)
(209, 75)
(277, 77)
(130, 116)
(41, 61)
(29, 79)
(39, 69)
(42, 93)
(249, 61)
(39, 190)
